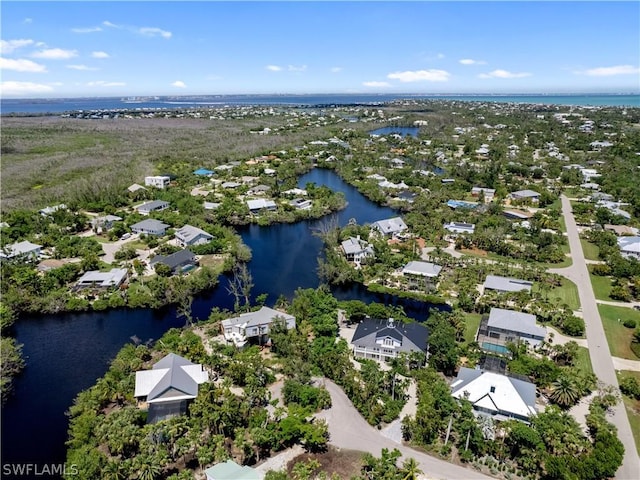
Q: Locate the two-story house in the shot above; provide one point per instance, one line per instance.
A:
(254, 326)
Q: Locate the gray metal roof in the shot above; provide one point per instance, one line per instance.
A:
(261, 317)
(506, 284)
(629, 244)
(513, 321)
(150, 224)
(426, 269)
(174, 260)
(352, 246)
(189, 233)
(172, 378)
(413, 335)
(390, 225)
(525, 194)
(153, 205)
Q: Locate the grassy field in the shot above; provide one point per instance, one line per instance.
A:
(633, 408)
(471, 326)
(49, 159)
(618, 336)
(601, 287)
(590, 250)
(567, 293)
(583, 361)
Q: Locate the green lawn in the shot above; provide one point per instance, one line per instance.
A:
(633, 408)
(601, 287)
(583, 361)
(590, 250)
(618, 336)
(567, 293)
(472, 322)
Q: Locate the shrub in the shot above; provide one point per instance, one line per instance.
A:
(629, 323)
(573, 326)
(630, 387)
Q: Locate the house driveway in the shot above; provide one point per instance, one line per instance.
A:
(111, 248)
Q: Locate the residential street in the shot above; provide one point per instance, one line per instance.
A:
(349, 430)
(598, 348)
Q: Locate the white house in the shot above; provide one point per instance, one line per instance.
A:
(385, 339)
(494, 395)
(256, 206)
(154, 206)
(46, 211)
(104, 223)
(390, 227)
(421, 274)
(254, 325)
(356, 250)
(96, 278)
(503, 326)
(188, 236)
(629, 247)
(460, 227)
(22, 250)
(487, 193)
(160, 181)
(525, 195)
(506, 284)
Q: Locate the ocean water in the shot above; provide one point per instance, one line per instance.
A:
(60, 105)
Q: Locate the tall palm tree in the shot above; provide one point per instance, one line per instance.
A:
(410, 469)
(565, 391)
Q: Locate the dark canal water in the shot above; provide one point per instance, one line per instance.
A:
(404, 131)
(67, 353)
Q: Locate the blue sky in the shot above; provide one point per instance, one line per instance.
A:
(72, 49)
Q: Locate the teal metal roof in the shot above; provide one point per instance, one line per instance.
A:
(230, 470)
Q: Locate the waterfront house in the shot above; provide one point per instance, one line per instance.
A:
(230, 470)
(159, 181)
(629, 247)
(178, 262)
(150, 226)
(502, 326)
(384, 340)
(188, 236)
(460, 227)
(97, 279)
(421, 275)
(301, 203)
(24, 250)
(167, 388)
(356, 250)
(390, 227)
(498, 396)
(256, 206)
(154, 206)
(254, 326)
(506, 284)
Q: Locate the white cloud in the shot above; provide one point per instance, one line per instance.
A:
(86, 30)
(27, 20)
(376, 84)
(21, 65)
(107, 23)
(611, 71)
(55, 54)
(22, 88)
(102, 83)
(336, 69)
(440, 56)
(470, 61)
(82, 67)
(273, 68)
(154, 32)
(100, 55)
(179, 84)
(504, 74)
(293, 68)
(421, 76)
(9, 46)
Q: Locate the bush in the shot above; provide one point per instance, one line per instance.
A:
(630, 387)
(629, 323)
(573, 326)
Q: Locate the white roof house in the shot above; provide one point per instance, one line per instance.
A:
(460, 227)
(422, 269)
(189, 235)
(96, 278)
(159, 181)
(261, 204)
(495, 395)
(172, 379)
(523, 194)
(506, 284)
(503, 326)
(253, 325)
(356, 249)
(390, 226)
(49, 210)
(24, 249)
(629, 246)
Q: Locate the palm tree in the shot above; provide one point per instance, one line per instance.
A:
(565, 391)
(410, 469)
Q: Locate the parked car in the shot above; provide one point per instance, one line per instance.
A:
(125, 236)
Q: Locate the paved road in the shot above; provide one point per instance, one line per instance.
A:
(349, 430)
(598, 348)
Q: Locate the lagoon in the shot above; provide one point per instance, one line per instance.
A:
(66, 353)
(404, 131)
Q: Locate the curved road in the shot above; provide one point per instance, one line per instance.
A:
(598, 347)
(349, 430)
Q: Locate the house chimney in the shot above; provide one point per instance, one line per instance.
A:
(390, 323)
